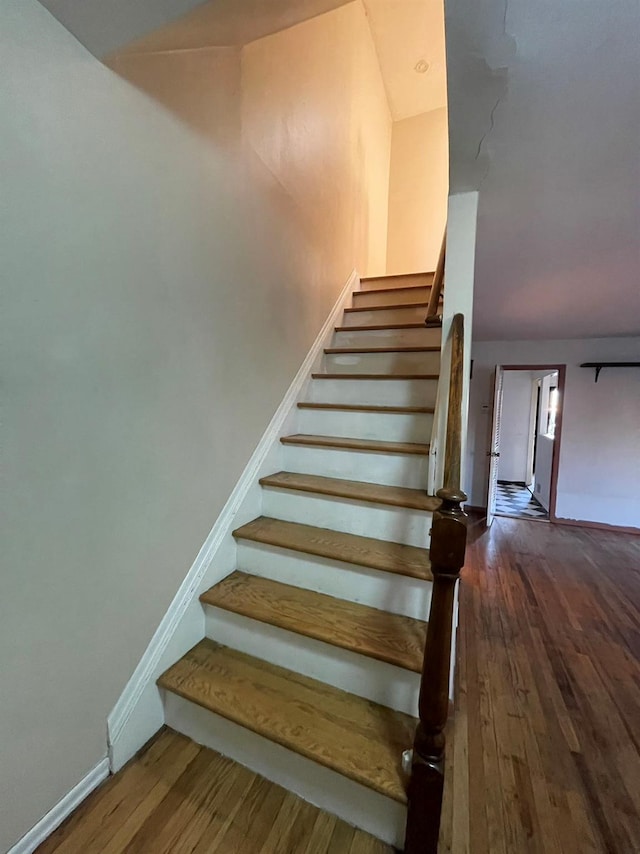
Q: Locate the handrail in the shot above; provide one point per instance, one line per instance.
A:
(438, 281)
(434, 444)
(453, 452)
(446, 553)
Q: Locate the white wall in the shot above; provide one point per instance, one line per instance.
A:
(462, 214)
(600, 445)
(306, 113)
(157, 303)
(515, 425)
(418, 189)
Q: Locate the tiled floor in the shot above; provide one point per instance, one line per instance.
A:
(517, 501)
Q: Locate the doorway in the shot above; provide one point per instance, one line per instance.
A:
(525, 441)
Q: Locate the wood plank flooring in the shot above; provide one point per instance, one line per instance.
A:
(545, 739)
(180, 798)
(544, 753)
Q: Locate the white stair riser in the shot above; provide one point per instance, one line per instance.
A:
(382, 363)
(395, 297)
(421, 337)
(386, 427)
(389, 315)
(385, 591)
(374, 680)
(352, 802)
(398, 524)
(399, 281)
(375, 392)
(410, 470)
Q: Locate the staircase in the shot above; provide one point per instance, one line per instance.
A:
(310, 669)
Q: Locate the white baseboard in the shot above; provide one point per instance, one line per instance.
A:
(138, 713)
(54, 818)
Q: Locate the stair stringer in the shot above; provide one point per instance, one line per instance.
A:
(139, 712)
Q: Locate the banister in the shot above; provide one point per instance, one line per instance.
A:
(434, 444)
(453, 451)
(438, 281)
(446, 553)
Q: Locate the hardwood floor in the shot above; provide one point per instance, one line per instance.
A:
(180, 798)
(544, 746)
(545, 739)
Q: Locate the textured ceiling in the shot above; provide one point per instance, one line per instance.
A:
(544, 113)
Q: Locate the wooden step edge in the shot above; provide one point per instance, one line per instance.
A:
(397, 275)
(351, 490)
(357, 407)
(393, 307)
(380, 326)
(336, 622)
(334, 351)
(392, 290)
(386, 780)
(339, 546)
(349, 444)
(345, 376)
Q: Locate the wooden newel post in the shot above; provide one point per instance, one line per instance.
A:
(448, 543)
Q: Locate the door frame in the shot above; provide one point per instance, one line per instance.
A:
(494, 447)
(555, 459)
(534, 416)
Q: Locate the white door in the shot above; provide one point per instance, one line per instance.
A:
(494, 449)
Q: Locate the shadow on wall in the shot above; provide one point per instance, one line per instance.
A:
(305, 112)
(309, 105)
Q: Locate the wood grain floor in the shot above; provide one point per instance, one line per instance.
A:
(180, 798)
(546, 734)
(544, 746)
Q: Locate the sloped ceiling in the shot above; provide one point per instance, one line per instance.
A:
(409, 39)
(407, 34)
(104, 26)
(544, 116)
(544, 113)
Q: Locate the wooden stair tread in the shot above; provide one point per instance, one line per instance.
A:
(398, 349)
(354, 737)
(379, 326)
(374, 376)
(397, 275)
(355, 444)
(388, 307)
(397, 496)
(392, 290)
(364, 407)
(348, 548)
(358, 628)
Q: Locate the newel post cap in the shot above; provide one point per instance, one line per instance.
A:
(451, 496)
